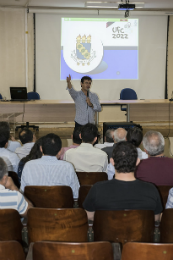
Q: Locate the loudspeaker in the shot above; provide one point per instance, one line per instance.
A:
(115, 125)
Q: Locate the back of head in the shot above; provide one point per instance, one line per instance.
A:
(3, 168)
(4, 126)
(134, 136)
(51, 144)
(154, 143)
(4, 136)
(4, 133)
(109, 136)
(125, 157)
(85, 78)
(88, 133)
(26, 136)
(76, 138)
(35, 152)
(120, 135)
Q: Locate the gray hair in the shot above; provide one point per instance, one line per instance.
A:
(154, 143)
(109, 136)
(120, 135)
(3, 168)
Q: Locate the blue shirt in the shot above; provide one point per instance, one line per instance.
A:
(84, 113)
(169, 204)
(49, 171)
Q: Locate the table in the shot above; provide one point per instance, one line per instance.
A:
(54, 111)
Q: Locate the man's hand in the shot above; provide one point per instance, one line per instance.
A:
(69, 81)
(69, 78)
(10, 184)
(89, 102)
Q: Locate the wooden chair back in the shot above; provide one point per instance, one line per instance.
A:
(11, 250)
(147, 251)
(10, 225)
(166, 226)
(83, 192)
(124, 226)
(164, 192)
(73, 251)
(14, 177)
(64, 225)
(50, 196)
(90, 178)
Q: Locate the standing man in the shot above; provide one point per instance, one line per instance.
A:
(86, 102)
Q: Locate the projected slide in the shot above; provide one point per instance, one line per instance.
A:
(101, 48)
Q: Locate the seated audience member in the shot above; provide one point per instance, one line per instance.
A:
(48, 170)
(76, 142)
(135, 136)
(119, 135)
(157, 168)
(35, 153)
(86, 158)
(11, 159)
(27, 139)
(12, 143)
(169, 203)
(124, 191)
(108, 139)
(10, 197)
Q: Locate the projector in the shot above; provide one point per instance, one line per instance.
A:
(124, 7)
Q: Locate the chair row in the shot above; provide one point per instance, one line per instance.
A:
(85, 179)
(71, 225)
(86, 251)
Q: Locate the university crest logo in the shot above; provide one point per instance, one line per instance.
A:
(83, 55)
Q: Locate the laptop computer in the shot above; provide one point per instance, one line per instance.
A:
(18, 93)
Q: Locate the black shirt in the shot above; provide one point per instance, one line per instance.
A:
(109, 150)
(120, 195)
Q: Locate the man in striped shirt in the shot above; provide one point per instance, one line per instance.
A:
(10, 197)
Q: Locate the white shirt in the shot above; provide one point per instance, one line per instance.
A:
(87, 158)
(106, 144)
(49, 171)
(12, 200)
(11, 159)
(141, 155)
(12, 145)
(24, 150)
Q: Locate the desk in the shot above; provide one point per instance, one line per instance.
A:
(64, 111)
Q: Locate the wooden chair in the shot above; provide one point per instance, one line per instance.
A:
(64, 225)
(50, 196)
(74, 251)
(90, 178)
(166, 226)
(147, 251)
(11, 250)
(83, 192)
(164, 192)
(14, 177)
(10, 225)
(124, 226)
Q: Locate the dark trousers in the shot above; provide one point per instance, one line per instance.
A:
(77, 125)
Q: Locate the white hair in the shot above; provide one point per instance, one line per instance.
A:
(120, 135)
(154, 143)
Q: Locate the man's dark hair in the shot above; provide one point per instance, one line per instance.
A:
(85, 78)
(125, 156)
(134, 136)
(76, 138)
(4, 126)
(51, 144)
(108, 136)
(88, 133)
(26, 136)
(4, 136)
(3, 168)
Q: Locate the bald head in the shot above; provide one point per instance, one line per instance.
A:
(120, 135)
(154, 143)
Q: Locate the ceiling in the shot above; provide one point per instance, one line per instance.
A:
(153, 5)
